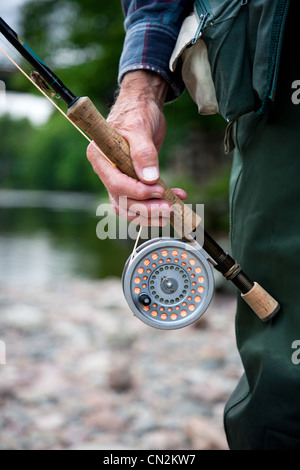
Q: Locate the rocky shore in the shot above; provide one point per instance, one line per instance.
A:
(81, 372)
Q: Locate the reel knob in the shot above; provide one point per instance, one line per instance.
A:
(144, 299)
(169, 283)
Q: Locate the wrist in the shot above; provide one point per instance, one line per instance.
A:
(145, 86)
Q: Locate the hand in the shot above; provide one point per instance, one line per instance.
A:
(137, 115)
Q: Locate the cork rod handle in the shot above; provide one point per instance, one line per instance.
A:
(261, 302)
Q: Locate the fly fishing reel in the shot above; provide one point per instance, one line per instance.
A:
(168, 284)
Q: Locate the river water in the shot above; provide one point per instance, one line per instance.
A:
(46, 237)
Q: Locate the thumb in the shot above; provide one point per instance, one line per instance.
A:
(145, 157)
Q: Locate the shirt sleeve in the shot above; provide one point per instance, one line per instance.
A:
(152, 27)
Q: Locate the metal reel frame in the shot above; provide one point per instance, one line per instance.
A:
(168, 284)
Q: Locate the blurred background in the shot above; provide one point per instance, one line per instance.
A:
(70, 374)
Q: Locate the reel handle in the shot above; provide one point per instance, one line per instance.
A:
(184, 220)
(84, 114)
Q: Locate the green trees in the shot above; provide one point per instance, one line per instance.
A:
(81, 40)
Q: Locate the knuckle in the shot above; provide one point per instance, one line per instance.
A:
(111, 184)
(141, 192)
(145, 153)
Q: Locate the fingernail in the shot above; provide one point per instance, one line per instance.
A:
(156, 195)
(150, 173)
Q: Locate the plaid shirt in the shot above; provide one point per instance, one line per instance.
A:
(152, 27)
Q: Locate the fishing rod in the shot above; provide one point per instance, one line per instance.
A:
(168, 283)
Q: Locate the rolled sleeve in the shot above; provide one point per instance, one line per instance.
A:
(151, 29)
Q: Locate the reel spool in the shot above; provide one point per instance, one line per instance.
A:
(168, 284)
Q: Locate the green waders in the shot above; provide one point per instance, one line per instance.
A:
(264, 410)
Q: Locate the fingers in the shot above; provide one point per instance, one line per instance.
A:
(132, 199)
(147, 213)
(180, 193)
(119, 184)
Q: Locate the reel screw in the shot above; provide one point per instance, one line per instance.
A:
(169, 285)
(144, 299)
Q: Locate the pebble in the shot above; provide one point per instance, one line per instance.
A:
(81, 372)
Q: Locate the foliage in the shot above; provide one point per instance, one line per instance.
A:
(51, 157)
(11, 164)
(82, 41)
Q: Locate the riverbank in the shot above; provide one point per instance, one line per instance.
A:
(82, 373)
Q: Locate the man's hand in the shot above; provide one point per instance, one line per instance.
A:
(138, 116)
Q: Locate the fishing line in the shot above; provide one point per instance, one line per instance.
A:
(52, 102)
(136, 243)
(45, 95)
